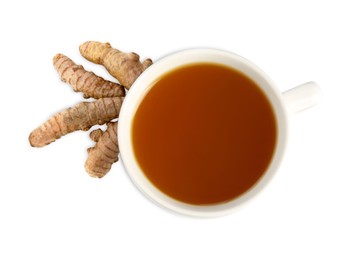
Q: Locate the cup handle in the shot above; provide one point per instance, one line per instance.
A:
(302, 97)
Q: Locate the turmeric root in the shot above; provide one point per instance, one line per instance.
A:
(125, 67)
(85, 81)
(105, 153)
(80, 117)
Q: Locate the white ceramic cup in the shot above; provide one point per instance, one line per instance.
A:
(291, 101)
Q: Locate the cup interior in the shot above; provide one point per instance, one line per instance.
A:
(141, 87)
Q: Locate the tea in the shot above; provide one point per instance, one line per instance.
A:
(204, 133)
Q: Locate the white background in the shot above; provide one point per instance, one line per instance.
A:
(51, 209)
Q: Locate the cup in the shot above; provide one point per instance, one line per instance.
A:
(283, 104)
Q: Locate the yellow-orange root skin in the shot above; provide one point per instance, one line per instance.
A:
(84, 81)
(125, 67)
(79, 117)
(104, 153)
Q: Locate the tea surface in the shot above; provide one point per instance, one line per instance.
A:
(204, 134)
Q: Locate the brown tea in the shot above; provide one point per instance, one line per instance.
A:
(204, 133)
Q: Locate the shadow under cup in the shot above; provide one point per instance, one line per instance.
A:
(165, 128)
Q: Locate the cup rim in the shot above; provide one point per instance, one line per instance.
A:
(143, 84)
